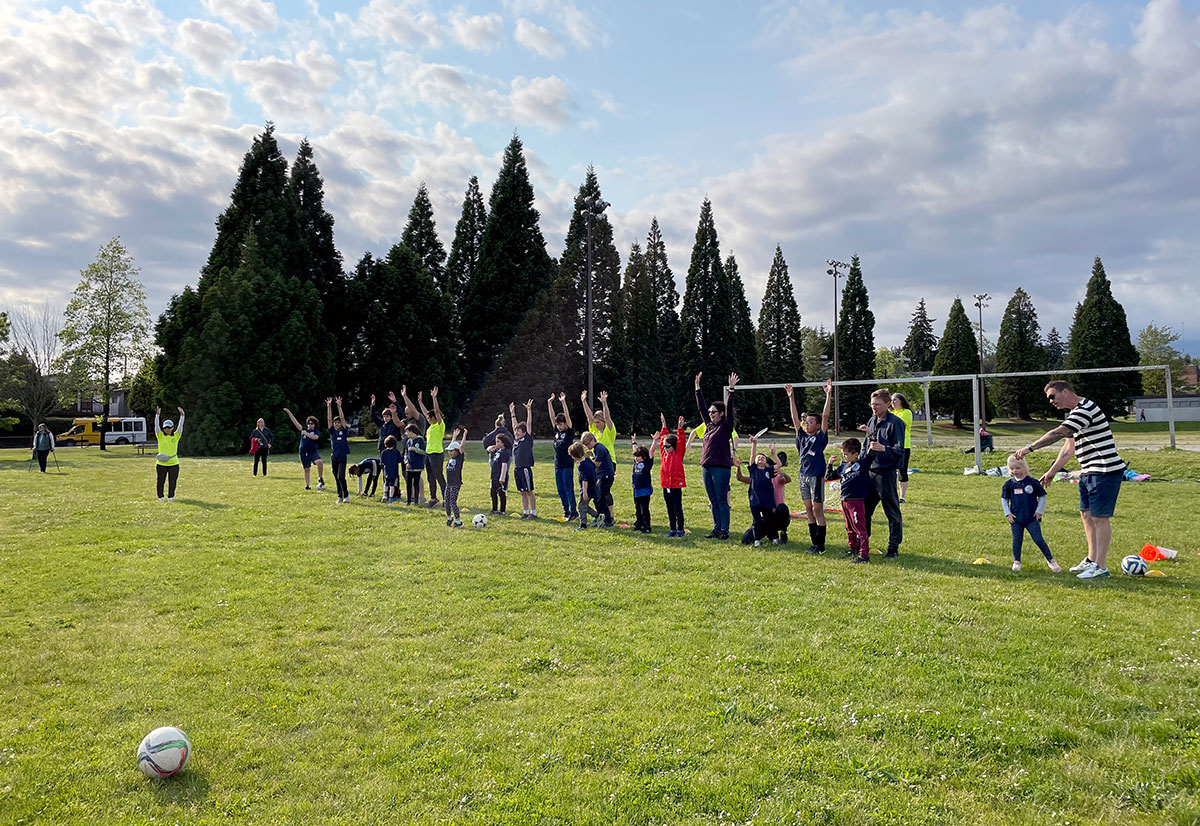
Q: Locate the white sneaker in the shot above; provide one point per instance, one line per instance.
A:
(1094, 572)
(1083, 565)
(757, 543)
(170, 498)
(160, 499)
(320, 486)
(1054, 567)
(1016, 565)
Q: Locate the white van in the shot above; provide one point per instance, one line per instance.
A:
(131, 431)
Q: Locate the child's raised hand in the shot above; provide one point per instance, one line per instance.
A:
(663, 419)
(737, 460)
(433, 393)
(828, 386)
(603, 396)
(680, 427)
(328, 400)
(562, 396)
(698, 375)
(583, 396)
(392, 395)
(529, 404)
(420, 395)
(372, 400)
(551, 399)
(787, 388)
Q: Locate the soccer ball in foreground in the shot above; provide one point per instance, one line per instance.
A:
(480, 521)
(1134, 565)
(164, 752)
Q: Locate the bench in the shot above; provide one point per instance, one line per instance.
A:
(141, 448)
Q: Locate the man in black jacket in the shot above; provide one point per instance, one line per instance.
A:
(885, 431)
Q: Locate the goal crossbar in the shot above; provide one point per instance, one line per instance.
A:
(975, 378)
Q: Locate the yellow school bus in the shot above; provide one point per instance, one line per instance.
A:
(121, 431)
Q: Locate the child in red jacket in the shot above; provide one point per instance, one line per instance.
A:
(670, 473)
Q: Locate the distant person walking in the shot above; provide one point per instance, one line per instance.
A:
(167, 462)
(43, 445)
(1089, 438)
(261, 442)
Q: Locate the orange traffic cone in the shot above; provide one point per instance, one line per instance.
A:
(1153, 553)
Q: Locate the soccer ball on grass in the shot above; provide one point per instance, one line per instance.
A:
(164, 752)
(480, 521)
(1134, 565)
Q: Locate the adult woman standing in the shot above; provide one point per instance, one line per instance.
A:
(715, 457)
(262, 449)
(903, 409)
(43, 445)
(167, 462)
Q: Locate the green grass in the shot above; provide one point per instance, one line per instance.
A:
(361, 664)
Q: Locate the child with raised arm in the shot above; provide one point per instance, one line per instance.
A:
(601, 424)
(435, 433)
(501, 459)
(310, 435)
(414, 448)
(391, 470)
(643, 489)
(339, 448)
(762, 496)
(587, 481)
(812, 437)
(454, 469)
(856, 487)
(1024, 502)
(417, 418)
(783, 513)
(670, 474)
(564, 468)
(523, 459)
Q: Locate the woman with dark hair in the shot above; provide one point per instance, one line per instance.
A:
(167, 462)
(903, 409)
(715, 457)
(43, 445)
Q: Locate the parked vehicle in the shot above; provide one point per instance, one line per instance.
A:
(126, 431)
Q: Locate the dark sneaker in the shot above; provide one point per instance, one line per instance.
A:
(724, 535)
(861, 560)
(891, 554)
(850, 555)
(814, 550)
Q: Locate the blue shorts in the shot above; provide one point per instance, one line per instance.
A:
(307, 459)
(1098, 493)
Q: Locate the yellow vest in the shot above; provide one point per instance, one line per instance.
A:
(168, 446)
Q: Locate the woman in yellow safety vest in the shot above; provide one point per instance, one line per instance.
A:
(903, 409)
(167, 465)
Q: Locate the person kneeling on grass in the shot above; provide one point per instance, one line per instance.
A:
(587, 482)
(856, 487)
(310, 434)
(762, 497)
(453, 483)
(1024, 503)
(606, 470)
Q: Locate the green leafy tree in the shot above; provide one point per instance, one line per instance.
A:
(816, 354)
(1155, 345)
(1056, 351)
(920, 347)
(106, 324)
(707, 319)
(888, 364)
(420, 236)
(779, 337)
(856, 346)
(957, 354)
(143, 390)
(513, 271)
(1018, 350)
(666, 302)
(1100, 338)
(464, 250)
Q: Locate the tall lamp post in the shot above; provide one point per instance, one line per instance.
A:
(835, 268)
(981, 300)
(592, 208)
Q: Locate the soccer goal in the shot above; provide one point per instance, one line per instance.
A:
(975, 379)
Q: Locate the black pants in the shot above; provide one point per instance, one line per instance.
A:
(339, 476)
(261, 454)
(41, 457)
(673, 497)
(412, 482)
(164, 474)
(604, 498)
(372, 483)
(884, 492)
(499, 496)
(433, 469)
(641, 504)
(783, 518)
(764, 523)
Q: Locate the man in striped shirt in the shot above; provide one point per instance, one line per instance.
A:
(1089, 438)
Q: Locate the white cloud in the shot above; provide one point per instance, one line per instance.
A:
(538, 39)
(401, 21)
(540, 100)
(211, 46)
(251, 15)
(478, 32)
(136, 20)
(608, 103)
(577, 25)
(284, 89)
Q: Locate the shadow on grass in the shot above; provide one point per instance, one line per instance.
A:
(196, 503)
(189, 787)
(940, 565)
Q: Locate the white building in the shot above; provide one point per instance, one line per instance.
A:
(1154, 408)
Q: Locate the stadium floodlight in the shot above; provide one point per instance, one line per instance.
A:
(835, 268)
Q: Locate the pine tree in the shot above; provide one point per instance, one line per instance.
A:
(1019, 349)
(753, 407)
(420, 236)
(513, 270)
(666, 301)
(957, 354)
(606, 286)
(1100, 338)
(641, 362)
(856, 347)
(706, 322)
(920, 347)
(779, 339)
(816, 355)
(1056, 351)
(464, 251)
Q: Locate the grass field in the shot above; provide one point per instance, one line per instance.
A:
(360, 664)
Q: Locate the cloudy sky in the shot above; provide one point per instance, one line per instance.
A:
(956, 147)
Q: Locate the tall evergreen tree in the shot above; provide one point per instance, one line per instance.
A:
(920, 347)
(420, 236)
(1056, 350)
(856, 347)
(464, 251)
(1100, 338)
(754, 407)
(641, 358)
(606, 287)
(513, 270)
(1019, 349)
(779, 338)
(666, 302)
(957, 354)
(816, 354)
(706, 321)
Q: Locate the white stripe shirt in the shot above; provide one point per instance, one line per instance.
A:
(1094, 445)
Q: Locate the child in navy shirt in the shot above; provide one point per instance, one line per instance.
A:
(370, 467)
(339, 448)
(523, 461)
(643, 488)
(501, 459)
(762, 497)
(391, 470)
(1024, 502)
(856, 487)
(587, 481)
(414, 449)
(606, 469)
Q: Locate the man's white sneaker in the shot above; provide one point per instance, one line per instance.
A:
(1094, 572)
(1016, 565)
(1083, 565)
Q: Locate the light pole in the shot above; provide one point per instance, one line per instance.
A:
(981, 302)
(835, 268)
(592, 208)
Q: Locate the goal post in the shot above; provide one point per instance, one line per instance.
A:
(975, 379)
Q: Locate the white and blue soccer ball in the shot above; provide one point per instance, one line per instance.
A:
(1134, 565)
(480, 520)
(164, 752)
